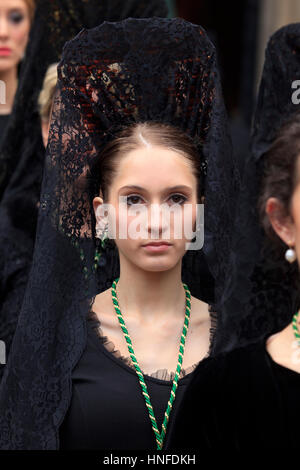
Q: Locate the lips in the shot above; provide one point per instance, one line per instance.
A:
(4, 51)
(157, 244)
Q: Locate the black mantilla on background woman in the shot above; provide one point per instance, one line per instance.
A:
(259, 294)
(139, 103)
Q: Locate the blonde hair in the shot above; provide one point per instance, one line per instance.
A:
(31, 7)
(47, 93)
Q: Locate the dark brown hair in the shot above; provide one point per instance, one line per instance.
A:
(139, 134)
(281, 173)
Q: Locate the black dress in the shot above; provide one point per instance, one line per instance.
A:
(242, 399)
(107, 409)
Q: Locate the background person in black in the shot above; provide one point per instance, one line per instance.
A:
(259, 296)
(247, 398)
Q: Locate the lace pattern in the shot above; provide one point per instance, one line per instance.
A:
(161, 374)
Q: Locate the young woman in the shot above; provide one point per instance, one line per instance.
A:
(147, 164)
(138, 119)
(246, 398)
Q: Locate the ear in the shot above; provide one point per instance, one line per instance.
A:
(97, 202)
(100, 219)
(281, 222)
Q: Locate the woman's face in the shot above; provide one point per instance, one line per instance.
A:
(156, 180)
(14, 32)
(287, 227)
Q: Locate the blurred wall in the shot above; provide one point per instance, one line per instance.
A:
(272, 15)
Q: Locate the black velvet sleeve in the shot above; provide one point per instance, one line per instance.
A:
(196, 425)
(238, 400)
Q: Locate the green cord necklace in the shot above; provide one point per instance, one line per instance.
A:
(295, 327)
(159, 436)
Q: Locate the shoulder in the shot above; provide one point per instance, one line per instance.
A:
(200, 309)
(200, 321)
(102, 302)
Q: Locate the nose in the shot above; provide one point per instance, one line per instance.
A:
(159, 222)
(4, 28)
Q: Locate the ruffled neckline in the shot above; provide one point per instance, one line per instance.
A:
(161, 374)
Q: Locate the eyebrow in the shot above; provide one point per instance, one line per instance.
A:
(17, 8)
(171, 188)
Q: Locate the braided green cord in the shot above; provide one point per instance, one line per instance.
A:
(158, 436)
(295, 327)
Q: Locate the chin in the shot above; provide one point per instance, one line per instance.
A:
(157, 264)
(156, 269)
(5, 64)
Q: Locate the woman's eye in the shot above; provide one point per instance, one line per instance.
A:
(16, 17)
(134, 200)
(177, 197)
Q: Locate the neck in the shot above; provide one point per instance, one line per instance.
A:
(10, 78)
(150, 295)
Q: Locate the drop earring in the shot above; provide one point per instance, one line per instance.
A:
(102, 237)
(290, 255)
(102, 233)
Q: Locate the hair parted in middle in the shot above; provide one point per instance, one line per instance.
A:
(139, 135)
